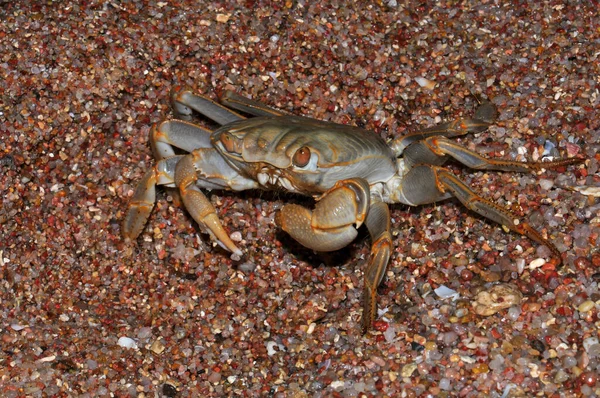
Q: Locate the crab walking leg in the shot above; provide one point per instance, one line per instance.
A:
(184, 100)
(435, 151)
(378, 224)
(179, 134)
(491, 210)
(236, 101)
(142, 202)
(330, 226)
(198, 205)
(482, 119)
(442, 184)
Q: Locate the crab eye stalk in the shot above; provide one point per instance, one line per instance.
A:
(229, 143)
(301, 157)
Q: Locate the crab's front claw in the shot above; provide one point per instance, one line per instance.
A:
(198, 205)
(331, 225)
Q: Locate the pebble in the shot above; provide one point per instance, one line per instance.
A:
(445, 384)
(423, 82)
(408, 369)
(590, 344)
(444, 292)
(586, 306)
(538, 262)
(127, 342)
(480, 368)
(497, 298)
(144, 333)
(271, 348)
(546, 184)
(247, 266)
(214, 377)
(157, 347)
(236, 236)
(569, 362)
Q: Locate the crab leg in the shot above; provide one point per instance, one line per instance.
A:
(236, 101)
(427, 184)
(177, 133)
(483, 117)
(378, 224)
(143, 199)
(435, 151)
(491, 210)
(184, 100)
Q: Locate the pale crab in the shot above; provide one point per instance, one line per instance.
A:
(352, 174)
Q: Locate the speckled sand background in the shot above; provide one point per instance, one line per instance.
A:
(81, 84)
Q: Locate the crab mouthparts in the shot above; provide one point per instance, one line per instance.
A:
(273, 178)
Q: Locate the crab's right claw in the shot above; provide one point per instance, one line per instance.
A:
(198, 205)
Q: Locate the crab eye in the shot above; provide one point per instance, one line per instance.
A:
(301, 157)
(229, 143)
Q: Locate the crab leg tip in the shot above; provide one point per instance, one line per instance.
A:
(236, 255)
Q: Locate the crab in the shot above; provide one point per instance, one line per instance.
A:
(352, 173)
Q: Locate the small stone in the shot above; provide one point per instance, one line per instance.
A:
(223, 18)
(214, 377)
(467, 359)
(127, 342)
(428, 84)
(495, 299)
(430, 346)
(144, 332)
(47, 359)
(589, 378)
(481, 368)
(445, 384)
(560, 376)
(419, 339)
(236, 236)
(169, 390)
(271, 348)
(586, 306)
(91, 364)
(157, 347)
(538, 262)
(546, 184)
(445, 292)
(408, 369)
(247, 266)
(589, 343)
